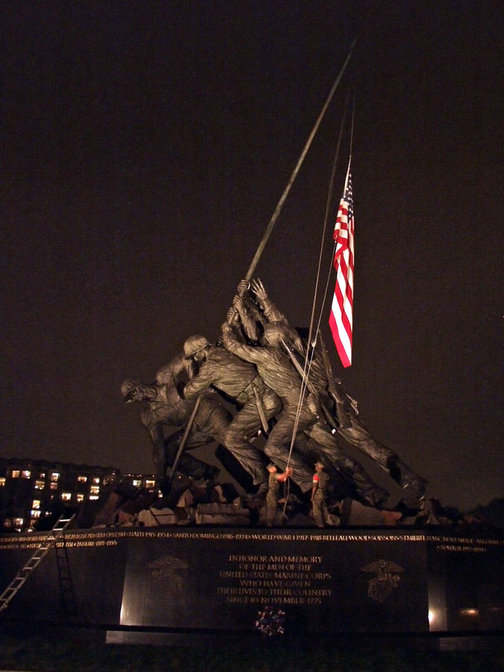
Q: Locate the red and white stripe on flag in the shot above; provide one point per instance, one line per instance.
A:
(341, 318)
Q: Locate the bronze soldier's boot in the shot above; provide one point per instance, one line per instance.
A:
(413, 484)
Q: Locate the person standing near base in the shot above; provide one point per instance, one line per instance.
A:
(274, 480)
(319, 496)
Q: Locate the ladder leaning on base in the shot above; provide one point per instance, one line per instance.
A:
(59, 527)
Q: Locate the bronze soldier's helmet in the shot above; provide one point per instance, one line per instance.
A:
(194, 344)
(276, 332)
(126, 387)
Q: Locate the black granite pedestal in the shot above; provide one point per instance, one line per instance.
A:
(147, 585)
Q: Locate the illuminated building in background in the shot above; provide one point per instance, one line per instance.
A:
(32, 491)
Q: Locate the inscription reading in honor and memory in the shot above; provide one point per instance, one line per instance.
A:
(289, 579)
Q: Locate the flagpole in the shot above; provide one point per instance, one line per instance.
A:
(287, 189)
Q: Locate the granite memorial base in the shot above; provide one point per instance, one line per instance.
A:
(156, 585)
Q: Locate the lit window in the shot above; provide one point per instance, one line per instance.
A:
(18, 522)
(39, 485)
(54, 476)
(42, 474)
(80, 497)
(26, 473)
(81, 479)
(53, 485)
(36, 503)
(93, 497)
(96, 479)
(15, 473)
(94, 489)
(34, 514)
(137, 482)
(66, 496)
(2, 481)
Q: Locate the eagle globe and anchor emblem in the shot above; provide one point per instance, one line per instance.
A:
(166, 570)
(388, 577)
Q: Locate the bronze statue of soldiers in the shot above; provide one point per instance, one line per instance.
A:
(239, 383)
(302, 413)
(163, 407)
(340, 411)
(277, 372)
(356, 434)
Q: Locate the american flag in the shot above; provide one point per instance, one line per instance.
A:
(341, 318)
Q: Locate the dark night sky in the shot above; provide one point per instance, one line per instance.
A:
(145, 147)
